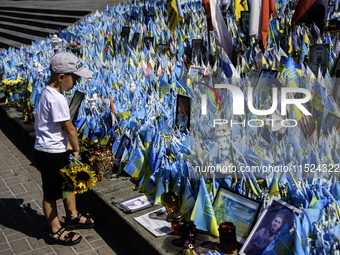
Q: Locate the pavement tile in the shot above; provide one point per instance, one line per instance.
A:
(17, 179)
(2, 237)
(4, 188)
(36, 243)
(7, 222)
(67, 250)
(31, 186)
(98, 243)
(91, 237)
(42, 251)
(17, 189)
(4, 246)
(88, 253)
(82, 246)
(106, 251)
(16, 236)
(9, 200)
(6, 252)
(20, 246)
(6, 173)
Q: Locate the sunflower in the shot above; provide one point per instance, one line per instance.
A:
(70, 180)
(85, 177)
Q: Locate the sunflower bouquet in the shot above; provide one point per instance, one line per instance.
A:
(79, 178)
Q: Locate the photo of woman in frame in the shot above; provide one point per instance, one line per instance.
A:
(268, 226)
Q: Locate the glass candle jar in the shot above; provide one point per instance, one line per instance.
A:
(227, 231)
(188, 235)
(178, 223)
(171, 204)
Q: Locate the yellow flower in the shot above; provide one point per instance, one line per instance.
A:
(85, 177)
(70, 181)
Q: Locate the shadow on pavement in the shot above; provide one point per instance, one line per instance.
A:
(16, 216)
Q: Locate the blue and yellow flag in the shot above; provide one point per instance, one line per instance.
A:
(173, 15)
(240, 5)
(203, 214)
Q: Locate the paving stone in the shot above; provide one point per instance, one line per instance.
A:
(2, 237)
(31, 186)
(42, 251)
(36, 243)
(4, 246)
(82, 246)
(104, 251)
(91, 236)
(7, 252)
(89, 253)
(7, 222)
(6, 173)
(65, 249)
(20, 246)
(98, 243)
(17, 189)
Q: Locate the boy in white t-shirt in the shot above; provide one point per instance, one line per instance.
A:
(55, 134)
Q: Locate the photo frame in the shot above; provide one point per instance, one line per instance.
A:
(148, 41)
(336, 68)
(242, 212)
(75, 104)
(196, 49)
(274, 217)
(133, 204)
(183, 112)
(244, 21)
(162, 48)
(135, 40)
(125, 34)
(318, 58)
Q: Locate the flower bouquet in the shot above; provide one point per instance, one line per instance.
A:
(79, 178)
(102, 161)
(12, 89)
(76, 47)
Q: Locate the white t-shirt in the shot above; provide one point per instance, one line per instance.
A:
(52, 110)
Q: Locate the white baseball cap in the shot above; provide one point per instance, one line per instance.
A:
(66, 62)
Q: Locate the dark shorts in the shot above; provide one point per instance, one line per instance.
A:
(50, 164)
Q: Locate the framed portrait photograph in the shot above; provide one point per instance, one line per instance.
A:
(183, 112)
(318, 58)
(133, 204)
(148, 42)
(162, 48)
(238, 209)
(272, 220)
(125, 34)
(135, 40)
(196, 52)
(244, 21)
(75, 104)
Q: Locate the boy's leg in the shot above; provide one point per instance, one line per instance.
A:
(71, 208)
(51, 215)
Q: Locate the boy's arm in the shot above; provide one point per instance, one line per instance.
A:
(71, 133)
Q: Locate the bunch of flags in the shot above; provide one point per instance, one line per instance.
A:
(132, 97)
